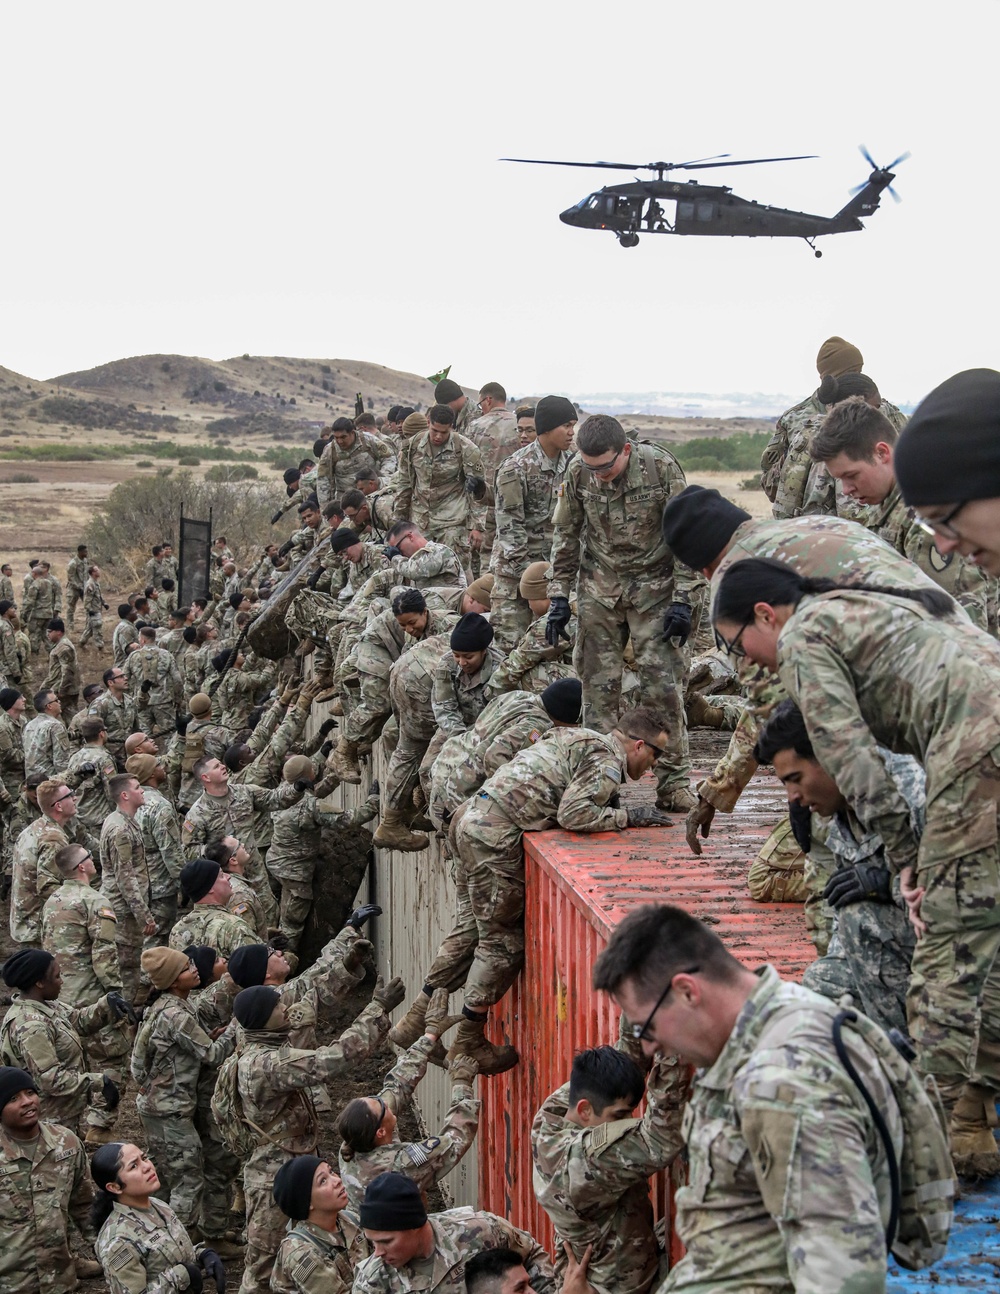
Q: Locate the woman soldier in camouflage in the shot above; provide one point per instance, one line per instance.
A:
(324, 1242)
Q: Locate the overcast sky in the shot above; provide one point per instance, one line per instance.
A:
(322, 180)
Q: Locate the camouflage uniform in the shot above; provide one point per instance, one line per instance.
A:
(297, 850)
(424, 1162)
(805, 487)
(236, 695)
(161, 701)
(526, 491)
(7, 589)
(120, 719)
(212, 926)
(170, 1049)
(35, 875)
(338, 467)
(433, 566)
(566, 780)
(594, 1182)
(430, 491)
(869, 669)
(143, 1251)
(125, 880)
(63, 676)
(93, 801)
(46, 1193)
(303, 541)
(45, 1038)
(11, 755)
(275, 1082)
(244, 903)
(124, 635)
(609, 536)
(411, 684)
(10, 661)
(202, 737)
(496, 437)
(458, 698)
(76, 581)
(93, 606)
(533, 664)
(272, 743)
(788, 1187)
(79, 926)
(27, 683)
(458, 1234)
(161, 838)
(313, 1261)
(46, 745)
(42, 603)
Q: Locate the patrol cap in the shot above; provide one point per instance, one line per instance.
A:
(12, 1081)
(698, 524)
(293, 1185)
(949, 451)
(392, 1203)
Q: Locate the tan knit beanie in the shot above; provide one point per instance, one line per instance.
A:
(163, 965)
(837, 356)
(413, 423)
(481, 589)
(141, 767)
(200, 703)
(534, 584)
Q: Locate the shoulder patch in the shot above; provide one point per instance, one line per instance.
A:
(562, 489)
(535, 735)
(614, 772)
(239, 908)
(107, 913)
(307, 1264)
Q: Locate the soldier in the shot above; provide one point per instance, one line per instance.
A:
(297, 843)
(168, 598)
(11, 748)
(88, 773)
(593, 1160)
(35, 875)
(90, 694)
(63, 677)
(141, 1242)
(607, 534)
(493, 430)
(439, 486)
(305, 539)
(46, 744)
(526, 429)
(527, 488)
(805, 1196)
(272, 1085)
(534, 663)
(209, 923)
(94, 607)
(421, 563)
(239, 688)
(7, 583)
(170, 1049)
(47, 1193)
(44, 1036)
(125, 637)
(369, 1124)
(904, 669)
(172, 638)
(78, 925)
(117, 709)
(10, 660)
(76, 580)
(450, 394)
(154, 571)
(345, 454)
(42, 603)
(155, 683)
(161, 838)
(202, 736)
(243, 901)
(417, 1252)
(320, 1252)
(368, 510)
(571, 779)
(125, 878)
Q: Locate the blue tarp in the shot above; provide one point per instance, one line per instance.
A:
(973, 1258)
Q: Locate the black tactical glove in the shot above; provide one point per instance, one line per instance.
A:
(121, 1008)
(677, 622)
(276, 516)
(327, 726)
(87, 770)
(801, 819)
(278, 941)
(647, 815)
(5, 883)
(146, 686)
(196, 1283)
(864, 881)
(326, 749)
(374, 790)
(559, 617)
(361, 916)
(303, 784)
(212, 1264)
(391, 551)
(314, 579)
(111, 1094)
(388, 996)
(476, 486)
(105, 606)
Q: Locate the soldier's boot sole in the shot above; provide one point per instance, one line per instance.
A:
(411, 1026)
(343, 762)
(421, 822)
(336, 706)
(701, 714)
(471, 1041)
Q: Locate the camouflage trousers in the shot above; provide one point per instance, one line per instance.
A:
(296, 881)
(511, 616)
(109, 1051)
(255, 874)
(73, 599)
(450, 968)
(265, 1221)
(457, 539)
(164, 910)
(820, 917)
(158, 720)
(776, 874)
(660, 667)
(128, 941)
(94, 629)
(417, 727)
(220, 1166)
(36, 634)
(953, 1005)
(491, 873)
(366, 720)
(175, 1149)
(869, 957)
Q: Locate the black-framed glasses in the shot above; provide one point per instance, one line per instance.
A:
(660, 750)
(640, 1032)
(382, 1108)
(734, 648)
(81, 861)
(70, 795)
(602, 467)
(944, 528)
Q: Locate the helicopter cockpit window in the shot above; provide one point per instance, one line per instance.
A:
(706, 211)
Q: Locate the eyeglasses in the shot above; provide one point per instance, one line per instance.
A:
(640, 1032)
(944, 526)
(597, 468)
(70, 795)
(381, 1111)
(735, 648)
(85, 858)
(660, 750)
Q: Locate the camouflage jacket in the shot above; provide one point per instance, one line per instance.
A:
(42, 600)
(568, 780)
(10, 661)
(172, 640)
(11, 754)
(93, 598)
(161, 838)
(788, 1185)
(120, 718)
(496, 437)
(44, 1039)
(124, 636)
(433, 565)
(594, 1182)
(533, 664)
(202, 737)
(867, 669)
(245, 904)
(63, 675)
(526, 492)
(458, 1234)
(338, 467)
(46, 1193)
(424, 1162)
(46, 745)
(93, 801)
(143, 1251)
(156, 666)
(265, 769)
(35, 875)
(507, 725)
(297, 834)
(313, 1261)
(76, 574)
(79, 925)
(608, 539)
(7, 589)
(328, 981)
(430, 484)
(384, 640)
(212, 926)
(236, 695)
(213, 816)
(458, 698)
(170, 1049)
(124, 870)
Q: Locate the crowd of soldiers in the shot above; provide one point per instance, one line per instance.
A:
(527, 611)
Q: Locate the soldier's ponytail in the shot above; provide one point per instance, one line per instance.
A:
(104, 1168)
(358, 1125)
(759, 579)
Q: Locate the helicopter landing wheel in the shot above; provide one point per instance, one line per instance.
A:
(630, 239)
(817, 254)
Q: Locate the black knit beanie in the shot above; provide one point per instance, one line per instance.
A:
(949, 451)
(293, 1184)
(563, 699)
(472, 633)
(553, 411)
(698, 524)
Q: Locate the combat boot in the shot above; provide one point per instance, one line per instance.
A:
(420, 821)
(393, 833)
(471, 1041)
(679, 800)
(226, 1249)
(343, 761)
(239, 1204)
(701, 714)
(411, 1027)
(327, 684)
(974, 1150)
(99, 1137)
(87, 1269)
(336, 707)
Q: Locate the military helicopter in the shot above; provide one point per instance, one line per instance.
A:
(705, 209)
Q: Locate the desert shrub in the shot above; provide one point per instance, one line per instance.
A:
(703, 463)
(232, 472)
(144, 462)
(751, 483)
(19, 478)
(188, 460)
(737, 453)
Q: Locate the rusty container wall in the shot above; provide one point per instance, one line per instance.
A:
(578, 889)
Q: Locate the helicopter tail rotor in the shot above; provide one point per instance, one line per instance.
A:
(878, 172)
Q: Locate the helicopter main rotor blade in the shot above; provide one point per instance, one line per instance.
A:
(610, 166)
(751, 161)
(704, 165)
(894, 195)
